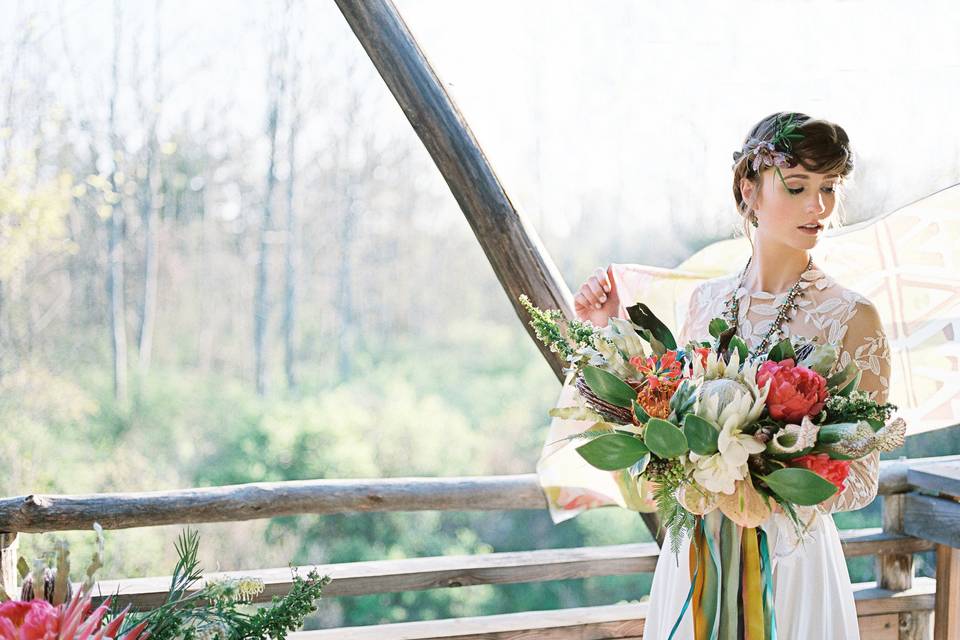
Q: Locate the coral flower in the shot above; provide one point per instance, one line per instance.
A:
(835, 471)
(795, 391)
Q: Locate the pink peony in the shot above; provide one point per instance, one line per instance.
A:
(835, 471)
(795, 391)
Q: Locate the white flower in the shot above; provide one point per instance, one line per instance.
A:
(715, 474)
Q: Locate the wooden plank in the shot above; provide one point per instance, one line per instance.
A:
(867, 542)
(938, 477)
(882, 627)
(619, 621)
(872, 600)
(946, 616)
(413, 574)
(234, 503)
(932, 518)
(878, 621)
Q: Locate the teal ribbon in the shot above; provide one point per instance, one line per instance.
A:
(770, 617)
(689, 599)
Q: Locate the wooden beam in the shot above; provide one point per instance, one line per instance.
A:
(413, 574)
(511, 244)
(234, 503)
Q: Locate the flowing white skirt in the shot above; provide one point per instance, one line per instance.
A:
(812, 594)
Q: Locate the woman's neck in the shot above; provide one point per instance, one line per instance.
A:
(775, 269)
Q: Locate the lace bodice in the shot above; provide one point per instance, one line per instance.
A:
(828, 313)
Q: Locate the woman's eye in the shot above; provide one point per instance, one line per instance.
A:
(797, 190)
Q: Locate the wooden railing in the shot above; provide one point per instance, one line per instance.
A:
(897, 605)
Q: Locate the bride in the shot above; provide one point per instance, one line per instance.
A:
(786, 182)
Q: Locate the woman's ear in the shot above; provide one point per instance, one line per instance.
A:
(747, 188)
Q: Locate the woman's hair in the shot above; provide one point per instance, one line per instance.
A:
(824, 148)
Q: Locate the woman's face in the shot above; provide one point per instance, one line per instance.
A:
(785, 213)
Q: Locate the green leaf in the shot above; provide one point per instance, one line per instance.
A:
(664, 438)
(613, 452)
(842, 376)
(800, 486)
(609, 387)
(638, 467)
(641, 316)
(782, 351)
(850, 386)
(701, 434)
(736, 342)
(640, 412)
(718, 326)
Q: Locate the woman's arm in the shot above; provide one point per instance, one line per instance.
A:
(865, 343)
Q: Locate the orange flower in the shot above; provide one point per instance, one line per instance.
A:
(659, 379)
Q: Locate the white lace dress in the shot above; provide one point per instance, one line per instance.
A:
(812, 594)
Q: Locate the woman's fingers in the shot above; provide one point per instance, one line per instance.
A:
(580, 301)
(603, 278)
(599, 296)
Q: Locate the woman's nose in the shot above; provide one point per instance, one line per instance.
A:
(816, 205)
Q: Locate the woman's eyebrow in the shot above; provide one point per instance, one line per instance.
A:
(803, 175)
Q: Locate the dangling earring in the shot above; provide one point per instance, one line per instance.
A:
(753, 219)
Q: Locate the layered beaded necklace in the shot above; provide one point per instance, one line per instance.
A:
(732, 307)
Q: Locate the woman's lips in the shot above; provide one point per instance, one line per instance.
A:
(811, 231)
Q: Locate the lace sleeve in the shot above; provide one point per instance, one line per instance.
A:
(865, 344)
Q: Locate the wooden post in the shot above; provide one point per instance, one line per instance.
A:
(895, 571)
(947, 605)
(511, 244)
(9, 542)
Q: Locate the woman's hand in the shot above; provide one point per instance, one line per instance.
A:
(597, 299)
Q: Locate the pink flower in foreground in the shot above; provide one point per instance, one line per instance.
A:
(795, 391)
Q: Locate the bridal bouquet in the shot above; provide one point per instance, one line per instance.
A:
(724, 436)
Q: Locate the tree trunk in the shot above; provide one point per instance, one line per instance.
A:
(149, 201)
(118, 332)
(292, 245)
(261, 307)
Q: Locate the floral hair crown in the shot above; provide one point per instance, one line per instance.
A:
(776, 152)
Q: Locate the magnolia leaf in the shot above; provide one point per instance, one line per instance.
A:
(665, 439)
(701, 434)
(643, 317)
(800, 486)
(609, 387)
(613, 452)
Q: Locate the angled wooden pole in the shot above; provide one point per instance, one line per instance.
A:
(512, 246)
